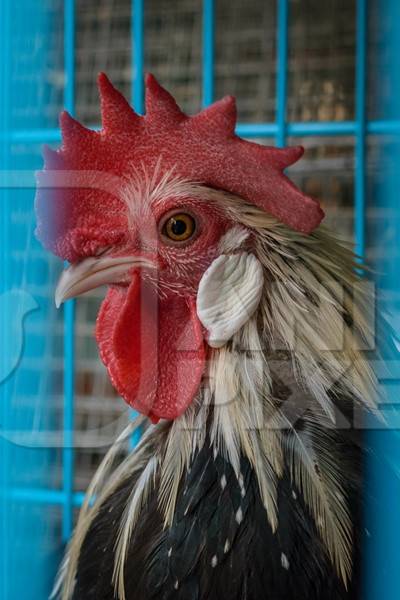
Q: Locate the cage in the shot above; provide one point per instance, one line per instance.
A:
(321, 74)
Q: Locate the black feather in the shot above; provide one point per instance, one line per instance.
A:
(211, 550)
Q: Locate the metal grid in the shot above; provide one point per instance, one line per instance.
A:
(280, 130)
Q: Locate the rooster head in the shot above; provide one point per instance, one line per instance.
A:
(145, 207)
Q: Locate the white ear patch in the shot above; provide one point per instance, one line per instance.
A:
(229, 293)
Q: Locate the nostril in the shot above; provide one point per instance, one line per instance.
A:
(101, 251)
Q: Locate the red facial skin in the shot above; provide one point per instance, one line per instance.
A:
(148, 333)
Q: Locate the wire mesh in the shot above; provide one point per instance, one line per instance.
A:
(277, 77)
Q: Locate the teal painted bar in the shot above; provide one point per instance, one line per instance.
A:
(137, 94)
(306, 129)
(361, 130)
(69, 54)
(44, 496)
(137, 58)
(281, 71)
(382, 572)
(208, 51)
(6, 520)
(69, 307)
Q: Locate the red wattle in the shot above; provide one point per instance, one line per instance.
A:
(153, 349)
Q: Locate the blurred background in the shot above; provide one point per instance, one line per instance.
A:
(321, 73)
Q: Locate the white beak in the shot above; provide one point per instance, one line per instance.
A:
(93, 272)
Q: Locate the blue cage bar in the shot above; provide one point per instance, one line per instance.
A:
(69, 308)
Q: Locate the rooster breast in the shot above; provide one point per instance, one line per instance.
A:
(220, 544)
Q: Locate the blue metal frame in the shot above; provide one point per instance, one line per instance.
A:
(360, 150)
(137, 45)
(208, 51)
(69, 307)
(360, 128)
(293, 129)
(382, 576)
(281, 71)
(4, 285)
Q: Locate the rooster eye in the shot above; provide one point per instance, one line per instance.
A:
(179, 227)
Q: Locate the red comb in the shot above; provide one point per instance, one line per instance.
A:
(202, 148)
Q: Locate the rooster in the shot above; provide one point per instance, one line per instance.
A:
(235, 324)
